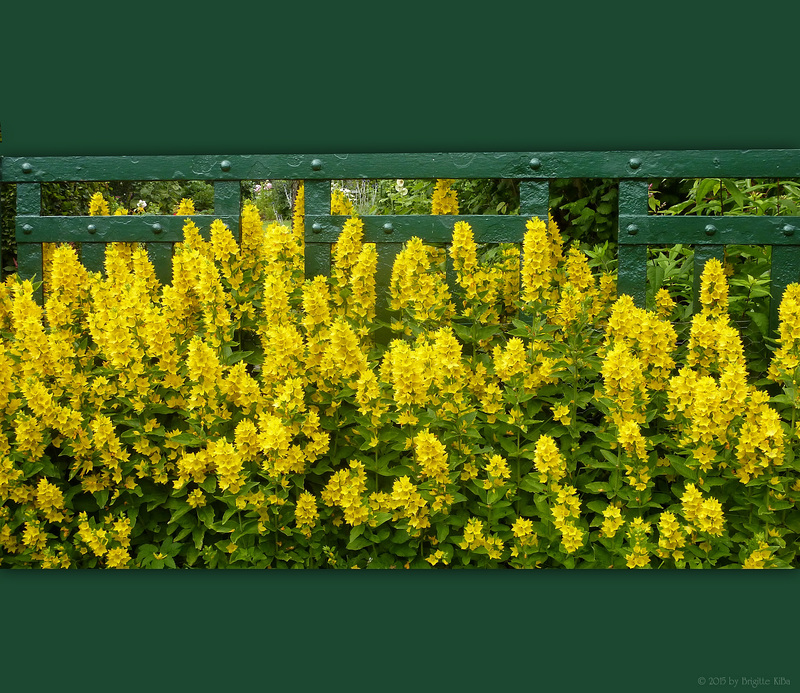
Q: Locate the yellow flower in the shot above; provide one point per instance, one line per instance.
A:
(196, 498)
(117, 558)
(185, 206)
(431, 457)
(612, 521)
(548, 460)
(445, 199)
(664, 303)
(306, 513)
(522, 528)
(714, 289)
(98, 206)
(562, 414)
(340, 204)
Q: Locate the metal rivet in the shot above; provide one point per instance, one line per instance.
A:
(91, 228)
(632, 229)
(225, 165)
(710, 230)
(27, 168)
(316, 227)
(157, 228)
(387, 227)
(535, 164)
(788, 230)
(316, 165)
(27, 228)
(635, 163)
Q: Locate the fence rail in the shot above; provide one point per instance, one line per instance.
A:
(533, 170)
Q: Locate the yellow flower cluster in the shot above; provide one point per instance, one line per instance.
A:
(476, 538)
(548, 461)
(306, 513)
(703, 514)
(650, 339)
(407, 503)
(529, 361)
(671, 536)
(482, 285)
(353, 274)
(566, 513)
(418, 285)
(638, 555)
(612, 521)
(345, 489)
(340, 204)
(431, 457)
(786, 360)
(714, 289)
(542, 253)
(445, 199)
(759, 558)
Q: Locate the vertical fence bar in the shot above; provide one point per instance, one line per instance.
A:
(228, 201)
(317, 253)
(632, 272)
(29, 254)
(161, 256)
(93, 256)
(2, 228)
(387, 253)
(785, 271)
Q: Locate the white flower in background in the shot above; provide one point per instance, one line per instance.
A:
(268, 185)
(141, 204)
(400, 186)
(257, 188)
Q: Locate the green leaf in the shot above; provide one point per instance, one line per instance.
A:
(186, 438)
(180, 512)
(209, 484)
(358, 543)
(598, 487)
(736, 194)
(206, 515)
(597, 506)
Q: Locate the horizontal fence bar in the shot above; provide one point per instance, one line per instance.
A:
(153, 228)
(488, 228)
(691, 230)
(760, 163)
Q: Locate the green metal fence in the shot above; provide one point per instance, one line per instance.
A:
(533, 170)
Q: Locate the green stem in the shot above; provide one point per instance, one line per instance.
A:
(519, 500)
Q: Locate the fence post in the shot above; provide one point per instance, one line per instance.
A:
(632, 268)
(785, 270)
(2, 230)
(29, 253)
(317, 253)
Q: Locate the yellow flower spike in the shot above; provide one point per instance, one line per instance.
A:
(431, 456)
(445, 199)
(298, 215)
(98, 207)
(714, 289)
(185, 206)
(340, 204)
(548, 461)
(419, 286)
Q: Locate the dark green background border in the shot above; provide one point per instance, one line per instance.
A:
(159, 79)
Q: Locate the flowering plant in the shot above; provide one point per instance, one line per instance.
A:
(525, 416)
